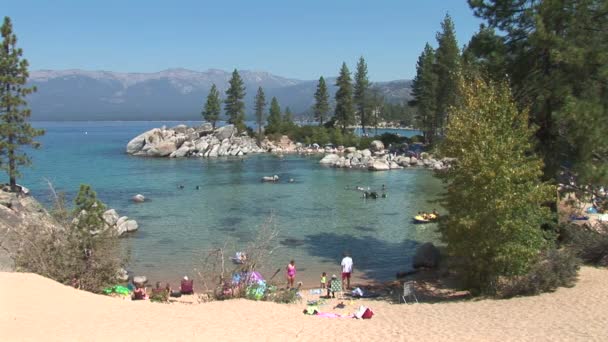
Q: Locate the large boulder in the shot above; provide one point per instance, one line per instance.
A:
(128, 226)
(379, 165)
(110, 217)
(225, 132)
(180, 128)
(139, 198)
(366, 153)
(162, 149)
(330, 159)
(376, 146)
(427, 255)
(204, 129)
(137, 143)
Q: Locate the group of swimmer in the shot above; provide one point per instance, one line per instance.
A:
(367, 193)
(181, 187)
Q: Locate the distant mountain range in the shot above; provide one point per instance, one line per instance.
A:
(173, 94)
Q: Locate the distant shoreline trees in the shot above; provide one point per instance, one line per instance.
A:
(343, 113)
(259, 105)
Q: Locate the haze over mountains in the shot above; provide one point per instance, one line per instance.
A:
(173, 94)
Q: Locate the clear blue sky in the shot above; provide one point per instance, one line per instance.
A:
(301, 39)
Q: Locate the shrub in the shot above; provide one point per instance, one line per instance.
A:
(591, 246)
(79, 252)
(557, 268)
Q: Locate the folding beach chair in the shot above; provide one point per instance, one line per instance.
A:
(408, 292)
(335, 286)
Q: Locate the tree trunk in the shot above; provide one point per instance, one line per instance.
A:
(11, 164)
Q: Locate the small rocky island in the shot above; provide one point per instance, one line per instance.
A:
(204, 141)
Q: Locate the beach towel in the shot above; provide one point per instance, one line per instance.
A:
(316, 291)
(332, 315)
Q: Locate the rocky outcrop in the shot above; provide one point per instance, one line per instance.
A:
(376, 159)
(121, 225)
(18, 212)
(427, 256)
(183, 141)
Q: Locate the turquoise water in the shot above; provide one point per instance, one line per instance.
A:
(317, 217)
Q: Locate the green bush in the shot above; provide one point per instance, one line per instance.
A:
(557, 268)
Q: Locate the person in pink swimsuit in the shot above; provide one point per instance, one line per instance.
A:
(291, 274)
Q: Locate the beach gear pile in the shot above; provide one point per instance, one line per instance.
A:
(253, 282)
(118, 289)
(312, 309)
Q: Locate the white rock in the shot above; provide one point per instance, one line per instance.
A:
(329, 159)
(110, 217)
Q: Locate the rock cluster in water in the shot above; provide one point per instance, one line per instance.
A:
(184, 141)
(376, 158)
(119, 224)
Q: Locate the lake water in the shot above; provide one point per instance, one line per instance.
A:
(318, 218)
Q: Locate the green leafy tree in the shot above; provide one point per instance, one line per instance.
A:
(15, 131)
(494, 192)
(343, 112)
(233, 104)
(361, 92)
(321, 107)
(260, 104)
(447, 67)
(424, 90)
(274, 117)
(212, 110)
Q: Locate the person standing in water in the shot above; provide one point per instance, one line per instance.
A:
(291, 274)
(347, 270)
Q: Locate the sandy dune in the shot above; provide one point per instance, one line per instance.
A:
(33, 308)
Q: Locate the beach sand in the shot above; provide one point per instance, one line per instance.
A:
(33, 308)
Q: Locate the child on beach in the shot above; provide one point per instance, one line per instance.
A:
(323, 280)
(291, 274)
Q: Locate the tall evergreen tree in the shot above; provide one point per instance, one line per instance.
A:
(557, 60)
(260, 104)
(288, 124)
(321, 108)
(274, 117)
(213, 109)
(424, 91)
(15, 131)
(361, 92)
(447, 59)
(494, 192)
(233, 104)
(343, 112)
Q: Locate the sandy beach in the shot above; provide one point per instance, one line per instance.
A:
(35, 308)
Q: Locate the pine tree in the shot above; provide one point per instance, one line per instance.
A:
(343, 112)
(447, 64)
(274, 117)
(321, 107)
(361, 92)
(494, 192)
(288, 123)
(212, 110)
(15, 131)
(557, 57)
(234, 105)
(424, 91)
(260, 104)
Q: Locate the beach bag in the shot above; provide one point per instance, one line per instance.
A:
(364, 313)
